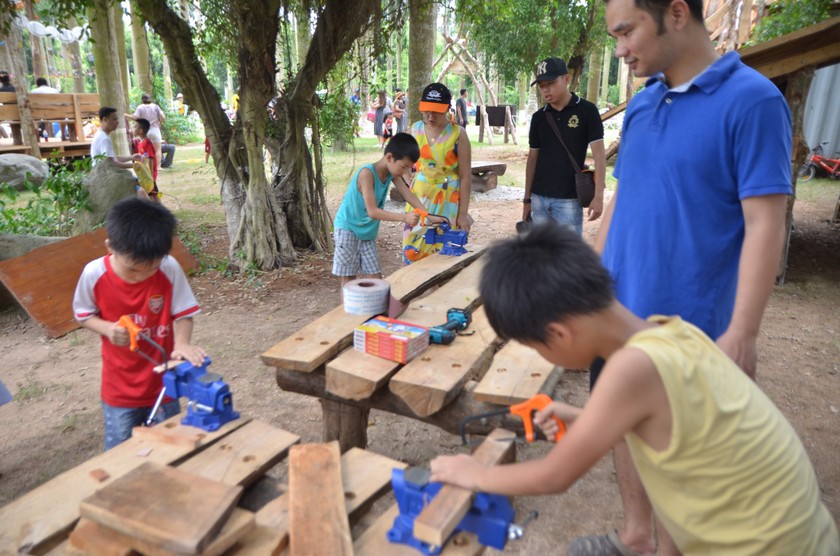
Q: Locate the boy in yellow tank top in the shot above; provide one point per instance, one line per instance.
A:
(725, 471)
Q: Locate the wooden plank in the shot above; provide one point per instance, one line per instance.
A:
(325, 337)
(374, 541)
(481, 166)
(43, 280)
(317, 517)
(817, 45)
(45, 515)
(356, 375)
(8, 98)
(517, 374)
(243, 456)
(97, 540)
(163, 507)
(365, 476)
(429, 382)
(438, 520)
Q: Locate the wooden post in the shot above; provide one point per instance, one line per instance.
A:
(510, 125)
(345, 423)
(796, 93)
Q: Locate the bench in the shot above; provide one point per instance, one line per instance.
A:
(71, 110)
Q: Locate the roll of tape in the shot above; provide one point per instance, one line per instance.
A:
(366, 296)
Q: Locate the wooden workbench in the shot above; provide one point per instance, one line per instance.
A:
(441, 386)
(237, 455)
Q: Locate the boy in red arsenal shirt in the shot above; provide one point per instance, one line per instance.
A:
(137, 278)
(146, 149)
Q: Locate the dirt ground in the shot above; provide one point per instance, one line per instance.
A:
(55, 421)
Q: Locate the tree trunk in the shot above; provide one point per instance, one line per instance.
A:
(421, 50)
(524, 82)
(594, 80)
(122, 56)
(167, 78)
(302, 35)
(140, 52)
(399, 39)
(108, 69)
(39, 56)
(13, 59)
(605, 73)
(74, 55)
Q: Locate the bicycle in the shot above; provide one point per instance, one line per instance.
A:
(820, 163)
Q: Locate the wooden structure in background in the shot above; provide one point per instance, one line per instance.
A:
(43, 281)
(70, 110)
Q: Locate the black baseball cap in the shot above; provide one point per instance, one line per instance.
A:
(550, 69)
(435, 98)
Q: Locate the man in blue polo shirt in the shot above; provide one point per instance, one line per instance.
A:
(550, 192)
(697, 226)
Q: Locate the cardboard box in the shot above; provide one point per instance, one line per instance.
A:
(391, 339)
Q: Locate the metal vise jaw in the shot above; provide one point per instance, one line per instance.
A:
(210, 403)
(449, 241)
(490, 516)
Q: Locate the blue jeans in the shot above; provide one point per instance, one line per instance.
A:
(562, 211)
(120, 420)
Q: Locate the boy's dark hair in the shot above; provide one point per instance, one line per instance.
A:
(657, 9)
(140, 230)
(144, 125)
(106, 111)
(5, 79)
(540, 277)
(463, 92)
(41, 82)
(403, 145)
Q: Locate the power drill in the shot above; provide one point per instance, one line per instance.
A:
(456, 321)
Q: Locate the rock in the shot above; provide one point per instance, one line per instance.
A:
(107, 184)
(14, 167)
(15, 245)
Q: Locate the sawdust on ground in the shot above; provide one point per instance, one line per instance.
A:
(56, 421)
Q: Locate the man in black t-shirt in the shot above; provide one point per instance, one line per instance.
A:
(549, 175)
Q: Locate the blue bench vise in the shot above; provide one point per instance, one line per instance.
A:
(450, 242)
(490, 517)
(210, 402)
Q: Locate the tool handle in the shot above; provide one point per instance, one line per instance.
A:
(526, 411)
(133, 331)
(424, 215)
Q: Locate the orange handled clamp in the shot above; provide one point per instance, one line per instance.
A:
(424, 215)
(526, 411)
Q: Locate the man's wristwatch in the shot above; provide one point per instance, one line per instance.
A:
(527, 200)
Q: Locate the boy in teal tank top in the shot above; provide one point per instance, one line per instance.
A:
(724, 470)
(357, 221)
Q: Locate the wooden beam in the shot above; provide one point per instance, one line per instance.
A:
(325, 337)
(365, 475)
(438, 520)
(195, 511)
(244, 456)
(817, 45)
(517, 374)
(46, 514)
(356, 375)
(317, 515)
(430, 382)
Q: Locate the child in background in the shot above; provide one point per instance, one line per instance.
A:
(724, 470)
(358, 217)
(146, 149)
(139, 279)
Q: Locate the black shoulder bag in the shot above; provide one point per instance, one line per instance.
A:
(584, 177)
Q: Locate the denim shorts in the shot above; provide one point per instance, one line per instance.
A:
(120, 420)
(562, 211)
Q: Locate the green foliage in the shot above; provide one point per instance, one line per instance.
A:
(612, 94)
(180, 130)
(337, 119)
(787, 16)
(52, 207)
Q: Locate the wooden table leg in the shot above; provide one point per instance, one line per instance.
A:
(345, 423)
